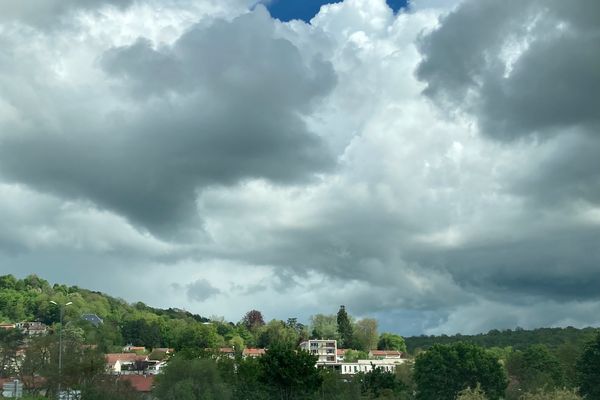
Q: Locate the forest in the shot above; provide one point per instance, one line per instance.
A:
(548, 363)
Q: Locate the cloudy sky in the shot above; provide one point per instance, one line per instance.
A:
(434, 165)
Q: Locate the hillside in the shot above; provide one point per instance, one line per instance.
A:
(518, 339)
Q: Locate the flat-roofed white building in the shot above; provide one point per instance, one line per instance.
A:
(364, 366)
(325, 350)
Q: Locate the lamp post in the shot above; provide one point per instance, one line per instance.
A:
(62, 313)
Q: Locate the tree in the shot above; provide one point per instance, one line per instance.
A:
(390, 341)
(253, 320)
(344, 328)
(444, 370)
(107, 387)
(277, 332)
(472, 394)
(196, 379)
(365, 334)
(378, 382)
(588, 367)
(535, 368)
(10, 343)
(323, 327)
(289, 374)
(557, 394)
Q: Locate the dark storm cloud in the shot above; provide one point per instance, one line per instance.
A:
(559, 264)
(222, 104)
(569, 170)
(519, 67)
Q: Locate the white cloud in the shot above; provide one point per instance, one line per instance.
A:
(418, 217)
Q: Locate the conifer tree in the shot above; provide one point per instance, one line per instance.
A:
(344, 327)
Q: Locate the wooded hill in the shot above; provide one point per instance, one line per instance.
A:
(518, 339)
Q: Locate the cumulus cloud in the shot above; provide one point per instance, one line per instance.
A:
(302, 166)
(520, 68)
(221, 105)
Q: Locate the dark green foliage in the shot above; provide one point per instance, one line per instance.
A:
(338, 387)
(10, 342)
(107, 387)
(535, 368)
(588, 369)
(344, 327)
(289, 374)
(140, 332)
(248, 383)
(444, 370)
(378, 383)
(197, 379)
(518, 339)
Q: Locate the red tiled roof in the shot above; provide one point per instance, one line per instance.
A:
(164, 349)
(226, 350)
(127, 357)
(253, 352)
(341, 352)
(141, 383)
(384, 353)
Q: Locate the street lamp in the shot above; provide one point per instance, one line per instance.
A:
(62, 313)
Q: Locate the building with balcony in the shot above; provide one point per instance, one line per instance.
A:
(325, 350)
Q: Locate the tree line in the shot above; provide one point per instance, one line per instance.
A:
(32, 299)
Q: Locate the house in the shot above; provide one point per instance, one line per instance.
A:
(340, 354)
(134, 349)
(250, 352)
(165, 350)
(35, 328)
(325, 350)
(93, 319)
(142, 384)
(365, 366)
(385, 354)
(155, 367)
(118, 363)
(228, 352)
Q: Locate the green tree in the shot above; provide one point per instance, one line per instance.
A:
(535, 368)
(107, 387)
(588, 369)
(10, 343)
(323, 327)
(365, 334)
(289, 374)
(344, 328)
(277, 332)
(248, 383)
(352, 355)
(444, 370)
(557, 394)
(339, 387)
(471, 394)
(378, 383)
(391, 341)
(197, 379)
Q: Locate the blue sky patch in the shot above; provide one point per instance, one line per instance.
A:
(286, 10)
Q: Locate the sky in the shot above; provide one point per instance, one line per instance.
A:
(286, 10)
(435, 168)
